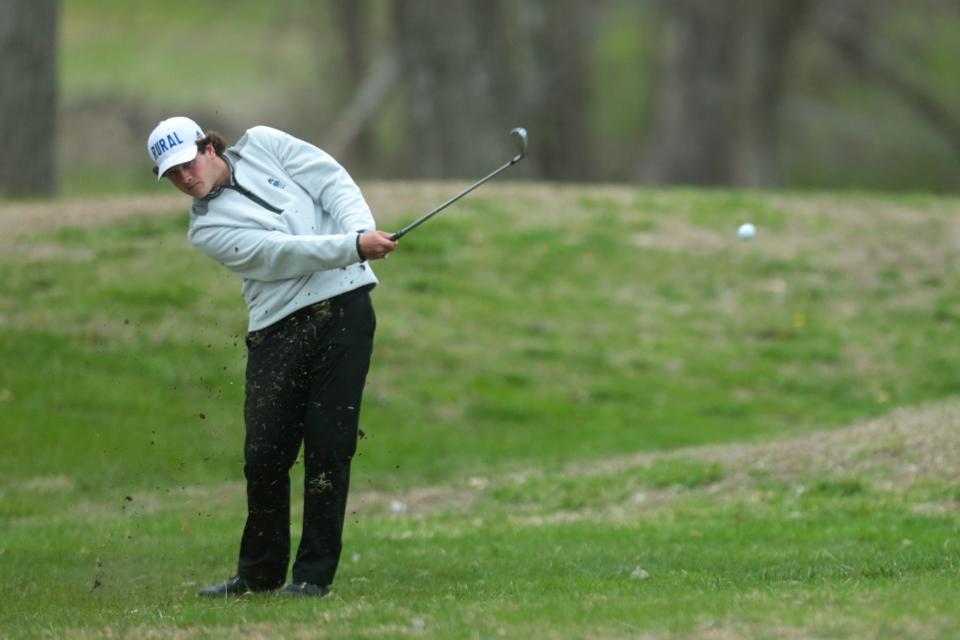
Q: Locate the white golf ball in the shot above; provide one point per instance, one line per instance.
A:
(746, 231)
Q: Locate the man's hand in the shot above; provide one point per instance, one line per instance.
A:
(376, 244)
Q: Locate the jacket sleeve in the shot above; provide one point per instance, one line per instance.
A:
(261, 254)
(320, 175)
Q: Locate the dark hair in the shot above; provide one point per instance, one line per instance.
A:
(212, 137)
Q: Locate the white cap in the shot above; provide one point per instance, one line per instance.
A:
(172, 142)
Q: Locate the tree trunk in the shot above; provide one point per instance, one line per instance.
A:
(453, 70)
(351, 17)
(768, 60)
(28, 98)
(558, 119)
(719, 90)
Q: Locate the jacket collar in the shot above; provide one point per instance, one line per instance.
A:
(231, 163)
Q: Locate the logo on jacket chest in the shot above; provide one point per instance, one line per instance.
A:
(276, 183)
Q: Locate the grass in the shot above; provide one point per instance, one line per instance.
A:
(149, 51)
(593, 412)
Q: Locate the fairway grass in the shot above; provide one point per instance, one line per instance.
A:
(784, 541)
(593, 413)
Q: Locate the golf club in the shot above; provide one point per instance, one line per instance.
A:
(519, 136)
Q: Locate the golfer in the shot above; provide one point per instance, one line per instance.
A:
(288, 219)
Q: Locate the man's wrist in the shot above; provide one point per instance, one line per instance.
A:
(359, 250)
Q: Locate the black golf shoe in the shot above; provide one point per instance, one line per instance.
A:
(235, 586)
(304, 590)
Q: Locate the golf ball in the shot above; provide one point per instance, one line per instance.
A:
(746, 231)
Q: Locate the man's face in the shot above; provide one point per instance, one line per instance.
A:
(198, 177)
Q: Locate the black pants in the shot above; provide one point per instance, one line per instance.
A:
(305, 378)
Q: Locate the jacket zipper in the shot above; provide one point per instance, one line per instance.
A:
(239, 188)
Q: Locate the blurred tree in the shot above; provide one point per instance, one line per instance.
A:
(850, 27)
(368, 83)
(474, 69)
(28, 98)
(799, 93)
(719, 91)
(556, 95)
(460, 93)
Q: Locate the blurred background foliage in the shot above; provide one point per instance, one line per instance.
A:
(818, 94)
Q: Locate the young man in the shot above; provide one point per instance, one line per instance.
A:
(288, 219)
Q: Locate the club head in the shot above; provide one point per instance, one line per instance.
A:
(519, 136)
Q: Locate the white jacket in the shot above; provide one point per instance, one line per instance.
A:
(288, 225)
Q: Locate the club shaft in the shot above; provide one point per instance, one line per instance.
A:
(416, 223)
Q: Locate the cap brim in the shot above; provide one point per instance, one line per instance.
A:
(188, 153)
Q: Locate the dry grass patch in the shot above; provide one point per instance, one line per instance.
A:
(895, 453)
(39, 217)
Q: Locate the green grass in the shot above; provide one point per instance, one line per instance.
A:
(155, 52)
(545, 358)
